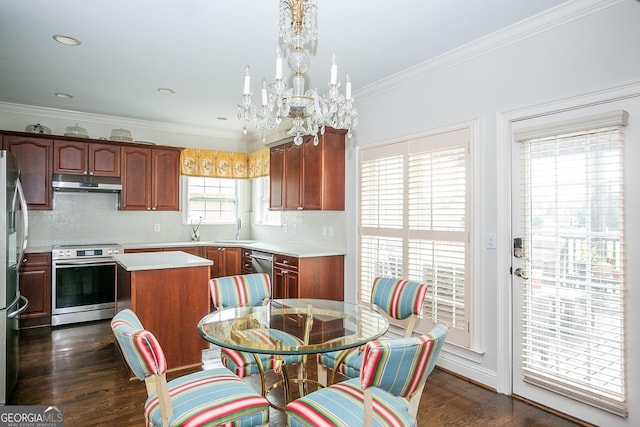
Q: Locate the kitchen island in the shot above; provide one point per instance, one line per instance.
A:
(168, 291)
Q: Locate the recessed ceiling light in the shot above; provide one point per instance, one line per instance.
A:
(221, 118)
(68, 40)
(166, 90)
(64, 95)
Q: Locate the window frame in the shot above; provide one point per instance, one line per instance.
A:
(188, 216)
(263, 203)
(463, 337)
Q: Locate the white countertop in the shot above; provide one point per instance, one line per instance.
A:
(283, 248)
(160, 260)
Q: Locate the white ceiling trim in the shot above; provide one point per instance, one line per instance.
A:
(76, 116)
(545, 21)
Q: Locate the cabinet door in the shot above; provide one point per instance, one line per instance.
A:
(323, 172)
(215, 254)
(165, 186)
(70, 157)
(285, 283)
(35, 285)
(104, 160)
(35, 159)
(136, 179)
(232, 261)
(276, 178)
(292, 170)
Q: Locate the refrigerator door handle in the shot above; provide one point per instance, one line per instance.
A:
(25, 219)
(19, 310)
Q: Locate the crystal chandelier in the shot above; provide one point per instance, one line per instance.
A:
(310, 112)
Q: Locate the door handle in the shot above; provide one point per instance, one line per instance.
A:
(520, 273)
(19, 310)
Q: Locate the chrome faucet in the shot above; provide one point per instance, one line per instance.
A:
(238, 227)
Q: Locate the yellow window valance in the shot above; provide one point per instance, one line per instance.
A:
(259, 163)
(224, 164)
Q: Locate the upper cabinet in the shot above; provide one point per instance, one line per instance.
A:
(309, 177)
(34, 157)
(83, 158)
(150, 179)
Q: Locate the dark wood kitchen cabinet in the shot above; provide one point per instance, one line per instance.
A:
(247, 267)
(35, 158)
(226, 260)
(150, 179)
(35, 285)
(83, 158)
(312, 277)
(309, 177)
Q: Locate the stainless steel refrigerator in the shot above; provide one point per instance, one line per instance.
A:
(13, 242)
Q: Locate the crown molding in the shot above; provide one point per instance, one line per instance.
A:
(76, 116)
(540, 23)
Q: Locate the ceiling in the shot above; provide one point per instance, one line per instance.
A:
(199, 48)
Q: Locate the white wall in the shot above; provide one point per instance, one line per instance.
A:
(584, 47)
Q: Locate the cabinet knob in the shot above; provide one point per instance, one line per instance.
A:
(24, 260)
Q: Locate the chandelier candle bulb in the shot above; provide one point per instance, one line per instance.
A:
(247, 82)
(264, 93)
(334, 70)
(278, 65)
(347, 88)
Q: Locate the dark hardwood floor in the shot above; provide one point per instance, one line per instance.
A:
(78, 367)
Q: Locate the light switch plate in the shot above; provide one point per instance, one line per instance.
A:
(491, 240)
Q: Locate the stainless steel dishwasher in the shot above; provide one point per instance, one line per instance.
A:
(262, 262)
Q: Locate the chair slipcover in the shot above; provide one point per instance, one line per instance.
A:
(399, 299)
(247, 290)
(205, 398)
(240, 290)
(393, 370)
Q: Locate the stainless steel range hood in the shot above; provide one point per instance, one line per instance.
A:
(86, 183)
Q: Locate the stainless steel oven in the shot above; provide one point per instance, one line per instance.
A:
(83, 283)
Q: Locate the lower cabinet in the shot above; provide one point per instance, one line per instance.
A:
(313, 277)
(226, 260)
(35, 285)
(169, 302)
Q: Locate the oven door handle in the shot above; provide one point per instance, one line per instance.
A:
(75, 263)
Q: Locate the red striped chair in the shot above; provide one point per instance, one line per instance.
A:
(212, 397)
(398, 299)
(250, 290)
(386, 393)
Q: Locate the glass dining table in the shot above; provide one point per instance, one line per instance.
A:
(317, 326)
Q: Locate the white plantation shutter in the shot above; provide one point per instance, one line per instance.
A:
(414, 223)
(573, 304)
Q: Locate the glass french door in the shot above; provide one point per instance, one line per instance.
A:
(568, 262)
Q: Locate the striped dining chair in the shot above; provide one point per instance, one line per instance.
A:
(399, 300)
(386, 393)
(250, 290)
(212, 397)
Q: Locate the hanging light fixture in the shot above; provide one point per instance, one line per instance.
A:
(310, 112)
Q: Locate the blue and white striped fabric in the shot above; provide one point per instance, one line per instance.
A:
(393, 370)
(244, 364)
(240, 290)
(206, 398)
(399, 298)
